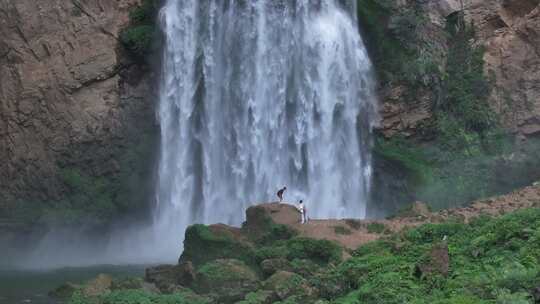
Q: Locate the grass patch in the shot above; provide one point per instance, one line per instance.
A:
(376, 228)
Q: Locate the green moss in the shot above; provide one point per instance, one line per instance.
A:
(271, 252)
(506, 269)
(320, 251)
(221, 272)
(141, 297)
(396, 47)
(408, 155)
(202, 245)
(262, 229)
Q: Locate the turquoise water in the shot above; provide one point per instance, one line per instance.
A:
(32, 286)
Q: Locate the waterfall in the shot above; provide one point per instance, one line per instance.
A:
(256, 95)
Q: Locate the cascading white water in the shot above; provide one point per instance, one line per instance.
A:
(255, 95)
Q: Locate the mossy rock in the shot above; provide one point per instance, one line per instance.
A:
(261, 227)
(276, 251)
(287, 284)
(168, 277)
(271, 266)
(259, 297)
(305, 267)
(320, 251)
(228, 279)
(203, 244)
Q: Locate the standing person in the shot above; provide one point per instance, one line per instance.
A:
(303, 212)
(280, 193)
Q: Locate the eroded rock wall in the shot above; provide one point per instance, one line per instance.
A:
(69, 95)
(509, 30)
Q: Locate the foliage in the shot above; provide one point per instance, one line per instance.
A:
(396, 47)
(139, 36)
(133, 296)
(321, 251)
(444, 179)
(465, 120)
(376, 227)
(505, 271)
(225, 270)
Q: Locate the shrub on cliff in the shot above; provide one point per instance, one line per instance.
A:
(139, 36)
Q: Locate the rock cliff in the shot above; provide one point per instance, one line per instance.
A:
(509, 32)
(70, 98)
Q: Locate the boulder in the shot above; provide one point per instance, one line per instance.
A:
(229, 280)
(271, 266)
(287, 284)
(437, 262)
(203, 244)
(166, 277)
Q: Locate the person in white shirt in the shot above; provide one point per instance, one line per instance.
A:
(303, 212)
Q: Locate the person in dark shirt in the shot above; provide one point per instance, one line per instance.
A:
(280, 193)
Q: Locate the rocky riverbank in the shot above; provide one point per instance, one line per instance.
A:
(484, 252)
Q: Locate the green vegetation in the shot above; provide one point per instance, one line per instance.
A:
(443, 179)
(320, 251)
(376, 228)
(141, 297)
(465, 120)
(139, 37)
(492, 260)
(465, 160)
(97, 200)
(396, 47)
(202, 245)
(488, 260)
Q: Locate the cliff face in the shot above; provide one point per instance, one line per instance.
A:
(509, 31)
(70, 98)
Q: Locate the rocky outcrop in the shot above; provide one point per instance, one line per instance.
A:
(509, 30)
(70, 98)
(510, 33)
